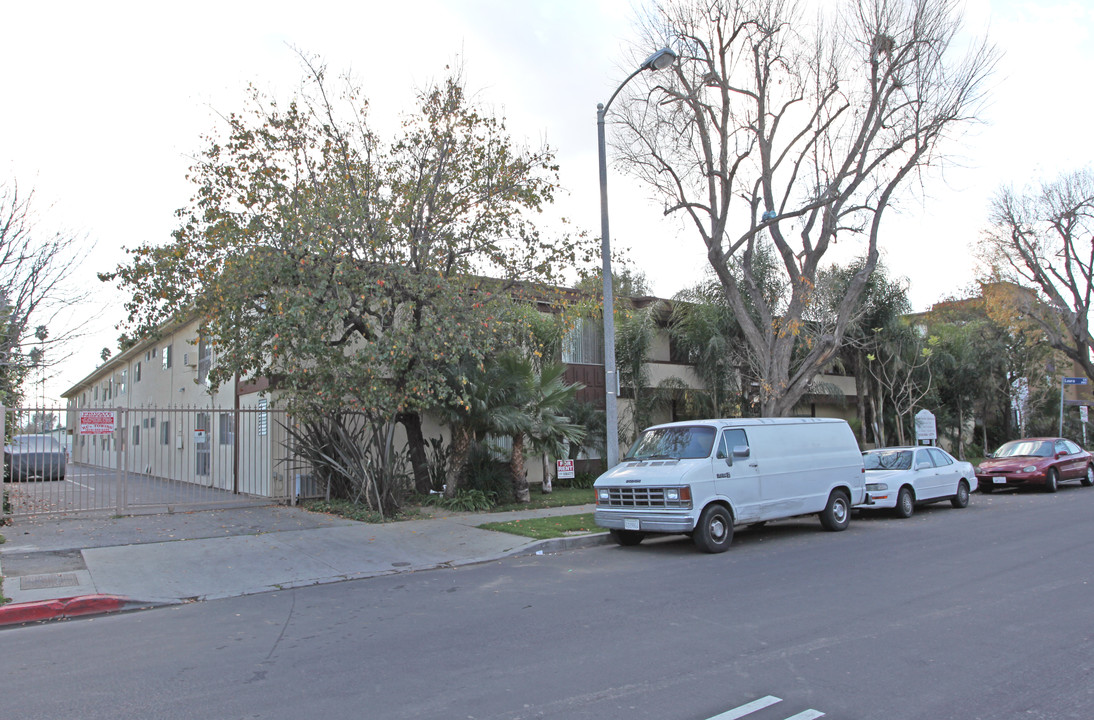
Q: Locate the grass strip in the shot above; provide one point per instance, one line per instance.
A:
(548, 527)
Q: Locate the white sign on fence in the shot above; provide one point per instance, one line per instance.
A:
(97, 422)
(565, 469)
(1084, 413)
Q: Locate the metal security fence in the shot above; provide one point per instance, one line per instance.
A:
(126, 460)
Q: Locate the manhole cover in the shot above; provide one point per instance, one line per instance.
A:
(42, 582)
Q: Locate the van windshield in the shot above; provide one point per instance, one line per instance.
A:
(676, 443)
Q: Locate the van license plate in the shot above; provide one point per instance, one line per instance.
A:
(631, 524)
(999, 480)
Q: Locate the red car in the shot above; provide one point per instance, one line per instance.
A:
(1035, 461)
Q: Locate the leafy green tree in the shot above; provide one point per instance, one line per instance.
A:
(347, 269)
(881, 307)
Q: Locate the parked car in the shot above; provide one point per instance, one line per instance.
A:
(703, 477)
(899, 478)
(1044, 461)
(33, 457)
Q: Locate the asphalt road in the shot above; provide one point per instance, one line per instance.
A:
(985, 612)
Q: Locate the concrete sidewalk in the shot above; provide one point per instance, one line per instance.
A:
(78, 566)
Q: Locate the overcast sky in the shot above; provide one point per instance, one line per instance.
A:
(105, 104)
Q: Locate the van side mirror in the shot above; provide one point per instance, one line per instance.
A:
(741, 451)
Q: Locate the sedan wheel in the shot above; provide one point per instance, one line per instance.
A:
(1088, 478)
(1052, 481)
(961, 499)
(905, 503)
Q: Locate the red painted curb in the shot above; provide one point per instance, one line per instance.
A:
(40, 610)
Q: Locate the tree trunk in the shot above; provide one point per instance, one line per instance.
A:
(519, 472)
(415, 443)
(960, 433)
(461, 446)
(548, 488)
(860, 404)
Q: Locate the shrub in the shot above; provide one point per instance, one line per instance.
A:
(487, 475)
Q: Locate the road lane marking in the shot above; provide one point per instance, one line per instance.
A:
(748, 709)
(806, 715)
(80, 484)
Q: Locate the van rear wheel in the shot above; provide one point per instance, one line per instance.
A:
(714, 532)
(627, 538)
(837, 514)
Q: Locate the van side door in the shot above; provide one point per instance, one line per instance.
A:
(736, 476)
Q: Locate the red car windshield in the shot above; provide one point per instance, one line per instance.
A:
(1025, 448)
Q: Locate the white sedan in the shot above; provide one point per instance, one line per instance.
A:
(901, 477)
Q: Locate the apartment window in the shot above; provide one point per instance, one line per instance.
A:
(584, 344)
(136, 435)
(121, 384)
(137, 372)
(167, 357)
(263, 417)
(96, 392)
(165, 432)
(226, 434)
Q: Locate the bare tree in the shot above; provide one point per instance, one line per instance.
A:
(1043, 240)
(772, 128)
(35, 288)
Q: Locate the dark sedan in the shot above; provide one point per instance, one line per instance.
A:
(34, 457)
(1035, 461)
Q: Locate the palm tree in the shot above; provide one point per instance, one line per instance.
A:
(531, 415)
(550, 431)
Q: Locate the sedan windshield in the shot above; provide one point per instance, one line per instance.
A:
(887, 460)
(1025, 448)
(673, 443)
(35, 443)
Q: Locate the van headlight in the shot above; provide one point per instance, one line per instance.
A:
(602, 495)
(876, 487)
(678, 497)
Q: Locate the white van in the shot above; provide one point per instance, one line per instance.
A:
(705, 476)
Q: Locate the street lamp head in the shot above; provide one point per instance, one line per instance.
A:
(659, 60)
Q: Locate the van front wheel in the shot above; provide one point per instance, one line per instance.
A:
(837, 514)
(714, 532)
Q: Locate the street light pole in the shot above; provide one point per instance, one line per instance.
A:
(657, 61)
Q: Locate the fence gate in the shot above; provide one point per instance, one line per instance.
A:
(127, 460)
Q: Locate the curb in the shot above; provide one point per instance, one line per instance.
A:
(574, 542)
(41, 610)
